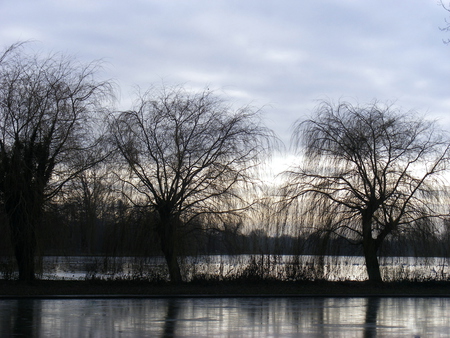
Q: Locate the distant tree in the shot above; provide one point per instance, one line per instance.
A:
(48, 106)
(368, 172)
(92, 197)
(446, 28)
(190, 158)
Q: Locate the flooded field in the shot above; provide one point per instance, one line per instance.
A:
(332, 268)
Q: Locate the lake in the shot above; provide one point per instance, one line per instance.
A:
(226, 317)
(333, 268)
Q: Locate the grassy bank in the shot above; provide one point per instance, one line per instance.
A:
(43, 288)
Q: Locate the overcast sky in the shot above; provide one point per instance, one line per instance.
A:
(281, 55)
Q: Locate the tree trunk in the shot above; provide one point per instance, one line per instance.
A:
(370, 248)
(24, 212)
(372, 264)
(24, 243)
(25, 254)
(174, 266)
(168, 237)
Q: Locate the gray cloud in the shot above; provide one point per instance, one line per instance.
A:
(283, 55)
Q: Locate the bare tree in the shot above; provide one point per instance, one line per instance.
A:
(189, 157)
(446, 28)
(92, 196)
(47, 112)
(368, 172)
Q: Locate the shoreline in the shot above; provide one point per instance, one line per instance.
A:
(141, 289)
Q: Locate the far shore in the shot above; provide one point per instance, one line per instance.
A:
(111, 289)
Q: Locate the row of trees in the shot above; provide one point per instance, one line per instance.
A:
(184, 159)
(186, 163)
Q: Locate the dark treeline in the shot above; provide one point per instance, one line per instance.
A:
(179, 174)
(66, 231)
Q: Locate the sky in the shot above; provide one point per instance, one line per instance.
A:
(282, 56)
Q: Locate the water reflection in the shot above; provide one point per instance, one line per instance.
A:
(370, 329)
(226, 317)
(20, 318)
(171, 318)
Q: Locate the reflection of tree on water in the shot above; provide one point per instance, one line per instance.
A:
(241, 316)
(22, 319)
(273, 316)
(170, 322)
(322, 316)
(370, 327)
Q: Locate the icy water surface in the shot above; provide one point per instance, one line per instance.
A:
(226, 317)
(334, 267)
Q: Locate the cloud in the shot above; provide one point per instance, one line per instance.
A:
(283, 55)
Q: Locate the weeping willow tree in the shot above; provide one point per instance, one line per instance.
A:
(368, 172)
(189, 157)
(48, 107)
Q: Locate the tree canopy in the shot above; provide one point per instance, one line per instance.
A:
(47, 136)
(368, 171)
(189, 156)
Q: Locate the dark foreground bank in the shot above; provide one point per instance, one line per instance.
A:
(44, 288)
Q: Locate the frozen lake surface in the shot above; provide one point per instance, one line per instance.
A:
(226, 317)
(332, 268)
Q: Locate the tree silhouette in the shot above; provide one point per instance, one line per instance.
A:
(368, 172)
(47, 107)
(189, 157)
